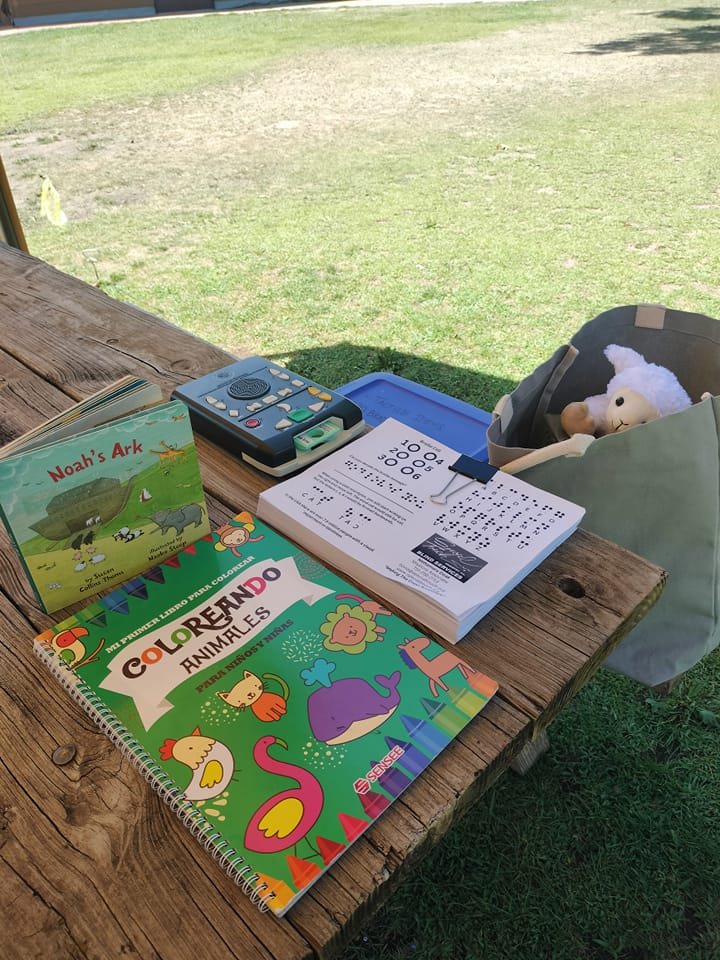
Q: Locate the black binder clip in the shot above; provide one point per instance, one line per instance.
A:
(477, 470)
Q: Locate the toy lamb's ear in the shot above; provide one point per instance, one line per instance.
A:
(623, 357)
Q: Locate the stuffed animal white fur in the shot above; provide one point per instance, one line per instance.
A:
(639, 391)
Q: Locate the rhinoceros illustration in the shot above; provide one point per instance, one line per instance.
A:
(179, 518)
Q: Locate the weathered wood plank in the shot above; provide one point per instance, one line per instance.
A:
(67, 828)
(95, 339)
(93, 861)
(26, 400)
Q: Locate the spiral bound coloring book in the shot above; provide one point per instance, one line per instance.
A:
(274, 707)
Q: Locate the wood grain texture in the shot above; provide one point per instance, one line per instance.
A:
(92, 863)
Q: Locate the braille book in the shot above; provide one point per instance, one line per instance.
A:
(419, 525)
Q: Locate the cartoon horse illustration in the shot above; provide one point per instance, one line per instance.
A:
(435, 669)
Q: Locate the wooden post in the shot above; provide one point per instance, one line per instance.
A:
(11, 230)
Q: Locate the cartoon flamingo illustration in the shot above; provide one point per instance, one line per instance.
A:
(283, 820)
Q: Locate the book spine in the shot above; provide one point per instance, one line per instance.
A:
(13, 539)
(204, 831)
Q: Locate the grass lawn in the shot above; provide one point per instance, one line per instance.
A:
(448, 193)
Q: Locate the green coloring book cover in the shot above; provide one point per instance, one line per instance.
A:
(88, 511)
(277, 709)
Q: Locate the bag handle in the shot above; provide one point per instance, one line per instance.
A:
(554, 379)
(499, 410)
(503, 409)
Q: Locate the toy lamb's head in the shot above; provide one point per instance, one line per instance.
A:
(638, 392)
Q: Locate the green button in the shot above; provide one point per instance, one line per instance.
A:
(315, 436)
(299, 415)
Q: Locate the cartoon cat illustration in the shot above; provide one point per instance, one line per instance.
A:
(251, 692)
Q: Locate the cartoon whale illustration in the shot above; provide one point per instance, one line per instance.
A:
(348, 709)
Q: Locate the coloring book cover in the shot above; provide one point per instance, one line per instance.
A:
(276, 708)
(89, 511)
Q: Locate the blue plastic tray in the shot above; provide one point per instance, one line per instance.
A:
(444, 418)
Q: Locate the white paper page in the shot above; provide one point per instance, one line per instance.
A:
(376, 500)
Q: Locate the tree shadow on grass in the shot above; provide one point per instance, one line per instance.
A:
(688, 13)
(703, 38)
(341, 363)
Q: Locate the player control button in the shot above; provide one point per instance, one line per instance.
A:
(283, 424)
(211, 400)
(299, 415)
(316, 407)
(221, 406)
(271, 399)
(298, 383)
(253, 407)
(234, 412)
(285, 406)
(253, 422)
(247, 388)
(285, 392)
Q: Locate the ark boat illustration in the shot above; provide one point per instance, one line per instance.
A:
(89, 505)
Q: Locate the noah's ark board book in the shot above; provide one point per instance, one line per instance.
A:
(420, 525)
(89, 499)
(275, 708)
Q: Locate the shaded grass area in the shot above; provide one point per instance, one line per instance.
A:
(606, 850)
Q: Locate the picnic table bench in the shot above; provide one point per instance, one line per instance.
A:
(94, 864)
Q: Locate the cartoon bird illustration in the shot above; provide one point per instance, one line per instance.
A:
(283, 820)
(211, 762)
(72, 649)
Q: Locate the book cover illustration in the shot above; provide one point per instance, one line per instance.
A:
(278, 710)
(89, 511)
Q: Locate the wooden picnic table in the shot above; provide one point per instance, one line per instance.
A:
(93, 863)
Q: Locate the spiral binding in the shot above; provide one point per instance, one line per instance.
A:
(161, 782)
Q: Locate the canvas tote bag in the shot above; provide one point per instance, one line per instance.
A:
(654, 488)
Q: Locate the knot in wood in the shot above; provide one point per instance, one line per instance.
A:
(572, 587)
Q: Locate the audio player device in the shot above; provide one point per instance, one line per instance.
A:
(274, 419)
